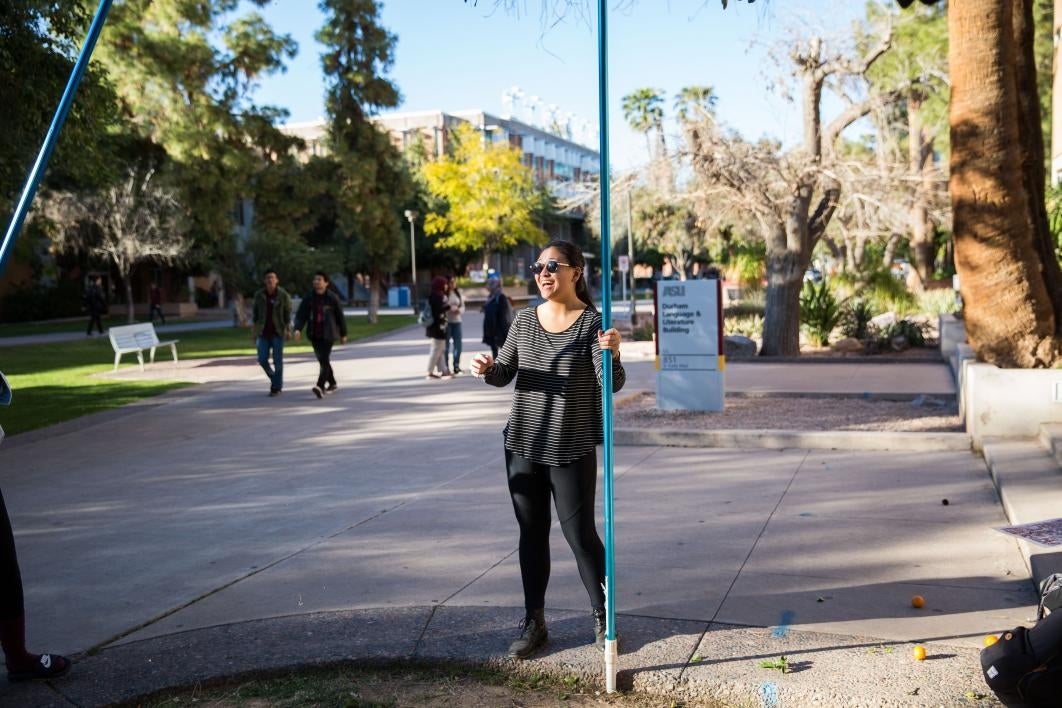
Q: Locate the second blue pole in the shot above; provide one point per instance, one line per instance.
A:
(611, 648)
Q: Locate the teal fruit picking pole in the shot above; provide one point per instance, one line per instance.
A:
(35, 174)
(606, 360)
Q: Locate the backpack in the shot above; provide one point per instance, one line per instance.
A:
(1050, 595)
(425, 318)
(1024, 668)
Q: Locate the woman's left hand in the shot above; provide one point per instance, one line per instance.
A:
(610, 339)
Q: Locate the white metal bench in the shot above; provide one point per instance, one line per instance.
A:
(136, 338)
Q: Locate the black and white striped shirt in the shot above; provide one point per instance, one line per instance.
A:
(556, 414)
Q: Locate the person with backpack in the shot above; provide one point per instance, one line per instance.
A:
(497, 316)
(555, 352)
(21, 664)
(321, 313)
(1024, 666)
(438, 304)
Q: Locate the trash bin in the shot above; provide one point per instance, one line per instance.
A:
(398, 297)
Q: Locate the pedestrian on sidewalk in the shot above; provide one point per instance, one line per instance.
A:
(271, 316)
(155, 296)
(456, 302)
(497, 316)
(95, 304)
(321, 313)
(554, 351)
(21, 664)
(436, 330)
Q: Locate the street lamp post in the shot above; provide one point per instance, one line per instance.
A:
(412, 216)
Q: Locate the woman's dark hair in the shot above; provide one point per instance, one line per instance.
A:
(323, 275)
(573, 256)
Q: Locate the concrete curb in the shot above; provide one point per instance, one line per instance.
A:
(1029, 483)
(682, 660)
(785, 439)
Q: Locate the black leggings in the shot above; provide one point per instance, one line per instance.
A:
(11, 602)
(573, 487)
(322, 349)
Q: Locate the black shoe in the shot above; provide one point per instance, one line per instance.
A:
(599, 629)
(533, 636)
(318, 392)
(330, 389)
(274, 392)
(48, 666)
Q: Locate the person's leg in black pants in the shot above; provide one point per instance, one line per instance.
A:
(574, 487)
(21, 664)
(529, 488)
(322, 349)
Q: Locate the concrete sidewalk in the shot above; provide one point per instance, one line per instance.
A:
(222, 532)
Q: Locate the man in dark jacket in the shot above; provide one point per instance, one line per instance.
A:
(271, 316)
(497, 316)
(321, 313)
(95, 304)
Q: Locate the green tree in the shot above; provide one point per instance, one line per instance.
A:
(916, 69)
(184, 72)
(491, 196)
(373, 184)
(39, 41)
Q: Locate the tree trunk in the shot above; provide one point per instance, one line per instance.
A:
(785, 277)
(239, 310)
(918, 151)
(890, 250)
(1008, 313)
(374, 295)
(130, 312)
(1032, 156)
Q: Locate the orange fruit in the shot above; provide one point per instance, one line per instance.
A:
(918, 601)
(990, 639)
(919, 652)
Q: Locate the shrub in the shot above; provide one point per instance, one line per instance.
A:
(819, 311)
(879, 289)
(750, 325)
(938, 302)
(855, 319)
(42, 303)
(643, 331)
(915, 333)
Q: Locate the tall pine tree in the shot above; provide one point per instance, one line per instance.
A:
(373, 182)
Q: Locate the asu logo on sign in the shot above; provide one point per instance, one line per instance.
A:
(674, 291)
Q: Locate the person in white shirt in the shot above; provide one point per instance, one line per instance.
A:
(456, 303)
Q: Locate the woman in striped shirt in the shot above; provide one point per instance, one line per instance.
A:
(554, 353)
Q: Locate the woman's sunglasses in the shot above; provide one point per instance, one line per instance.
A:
(549, 266)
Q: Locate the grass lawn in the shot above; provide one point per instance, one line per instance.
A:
(54, 382)
(22, 329)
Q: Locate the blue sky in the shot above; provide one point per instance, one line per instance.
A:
(451, 55)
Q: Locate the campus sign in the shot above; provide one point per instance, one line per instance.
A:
(689, 345)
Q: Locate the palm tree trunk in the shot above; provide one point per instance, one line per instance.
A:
(1032, 155)
(1008, 312)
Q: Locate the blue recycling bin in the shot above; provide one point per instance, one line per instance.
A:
(398, 296)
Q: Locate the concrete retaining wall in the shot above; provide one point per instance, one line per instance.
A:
(1009, 402)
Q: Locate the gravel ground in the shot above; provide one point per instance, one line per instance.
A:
(804, 413)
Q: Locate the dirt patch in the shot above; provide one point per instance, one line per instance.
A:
(396, 685)
(924, 414)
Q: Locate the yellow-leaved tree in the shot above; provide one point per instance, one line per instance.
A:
(491, 198)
